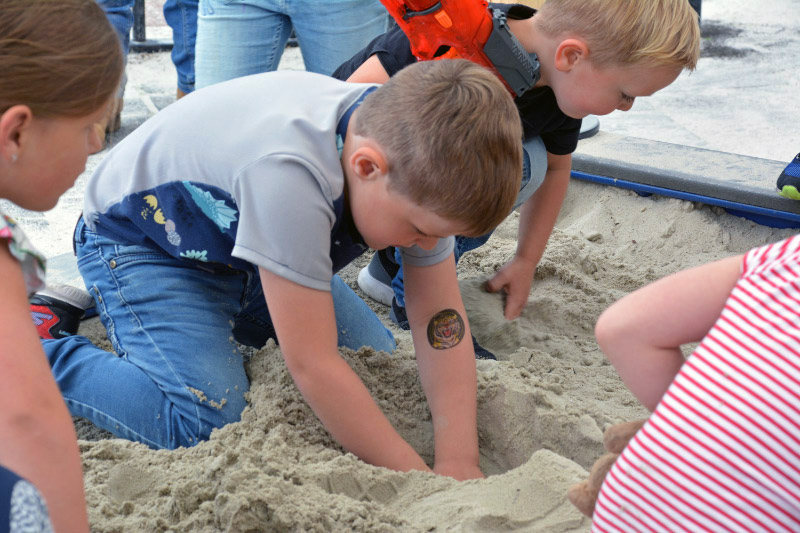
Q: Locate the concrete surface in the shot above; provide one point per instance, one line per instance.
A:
(742, 99)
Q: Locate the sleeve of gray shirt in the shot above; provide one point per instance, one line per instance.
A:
(285, 220)
(419, 257)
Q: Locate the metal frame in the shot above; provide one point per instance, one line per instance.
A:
(140, 42)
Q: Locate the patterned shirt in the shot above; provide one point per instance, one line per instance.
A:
(31, 261)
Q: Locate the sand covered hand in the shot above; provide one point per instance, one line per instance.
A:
(584, 494)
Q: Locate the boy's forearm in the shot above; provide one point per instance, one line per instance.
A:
(450, 384)
(448, 374)
(536, 223)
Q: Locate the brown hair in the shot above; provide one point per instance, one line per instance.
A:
(627, 32)
(61, 58)
(453, 140)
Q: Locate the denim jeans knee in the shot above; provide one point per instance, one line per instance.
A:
(177, 373)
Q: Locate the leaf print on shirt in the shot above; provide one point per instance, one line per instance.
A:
(195, 254)
(216, 210)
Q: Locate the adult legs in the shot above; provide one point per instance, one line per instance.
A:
(238, 38)
(181, 15)
(329, 33)
(120, 14)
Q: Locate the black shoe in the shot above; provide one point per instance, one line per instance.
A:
(57, 310)
(481, 352)
(398, 315)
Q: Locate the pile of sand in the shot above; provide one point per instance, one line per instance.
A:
(542, 407)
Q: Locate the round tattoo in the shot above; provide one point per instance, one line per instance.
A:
(446, 329)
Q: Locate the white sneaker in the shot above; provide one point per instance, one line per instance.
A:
(75, 296)
(376, 282)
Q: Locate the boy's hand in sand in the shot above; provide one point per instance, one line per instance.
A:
(537, 219)
(514, 279)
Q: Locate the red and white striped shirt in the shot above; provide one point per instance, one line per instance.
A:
(721, 452)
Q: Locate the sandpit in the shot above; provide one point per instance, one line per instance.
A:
(542, 407)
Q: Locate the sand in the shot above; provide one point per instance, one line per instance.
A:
(542, 407)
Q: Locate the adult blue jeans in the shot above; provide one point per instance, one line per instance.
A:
(120, 14)
(534, 167)
(241, 37)
(177, 372)
(181, 15)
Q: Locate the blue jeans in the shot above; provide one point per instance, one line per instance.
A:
(181, 15)
(178, 372)
(241, 37)
(534, 167)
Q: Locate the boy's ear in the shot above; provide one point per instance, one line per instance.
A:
(368, 162)
(12, 123)
(569, 53)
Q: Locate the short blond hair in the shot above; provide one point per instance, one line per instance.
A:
(626, 32)
(452, 138)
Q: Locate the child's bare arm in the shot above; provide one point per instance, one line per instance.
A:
(370, 71)
(641, 334)
(39, 441)
(306, 326)
(446, 362)
(536, 223)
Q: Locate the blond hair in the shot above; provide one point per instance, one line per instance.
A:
(61, 58)
(627, 32)
(453, 140)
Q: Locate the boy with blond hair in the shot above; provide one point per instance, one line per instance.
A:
(238, 238)
(596, 56)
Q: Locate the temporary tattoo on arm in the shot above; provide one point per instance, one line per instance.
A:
(446, 329)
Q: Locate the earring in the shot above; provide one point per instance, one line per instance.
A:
(14, 158)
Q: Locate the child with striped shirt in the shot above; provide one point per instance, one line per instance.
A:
(721, 451)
